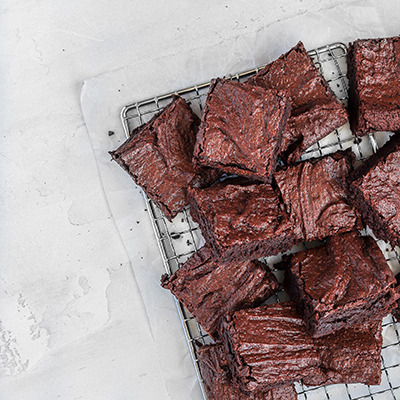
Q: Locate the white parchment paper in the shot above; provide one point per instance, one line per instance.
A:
(104, 96)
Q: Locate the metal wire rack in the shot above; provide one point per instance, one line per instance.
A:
(179, 239)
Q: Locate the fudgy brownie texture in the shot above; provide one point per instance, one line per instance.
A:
(241, 129)
(158, 156)
(374, 85)
(375, 191)
(210, 290)
(349, 356)
(315, 197)
(218, 384)
(396, 311)
(345, 283)
(241, 220)
(315, 112)
(268, 346)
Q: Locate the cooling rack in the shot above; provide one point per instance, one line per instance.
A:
(179, 239)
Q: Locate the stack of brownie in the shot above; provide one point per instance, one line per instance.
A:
(249, 205)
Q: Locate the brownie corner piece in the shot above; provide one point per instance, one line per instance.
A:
(210, 290)
(241, 219)
(396, 310)
(351, 355)
(158, 156)
(241, 129)
(268, 346)
(218, 383)
(315, 109)
(316, 198)
(375, 191)
(374, 89)
(325, 283)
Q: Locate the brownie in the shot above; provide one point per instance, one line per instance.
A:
(158, 156)
(315, 110)
(241, 129)
(315, 196)
(218, 384)
(396, 311)
(268, 346)
(241, 220)
(344, 283)
(210, 290)
(349, 356)
(374, 88)
(375, 191)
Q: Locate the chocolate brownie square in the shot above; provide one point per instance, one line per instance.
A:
(218, 384)
(158, 156)
(241, 220)
(268, 346)
(315, 198)
(350, 355)
(210, 290)
(374, 88)
(344, 283)
(315, 112)
(241, 129)
(375, 191)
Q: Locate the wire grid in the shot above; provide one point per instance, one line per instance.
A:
(179, 239)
